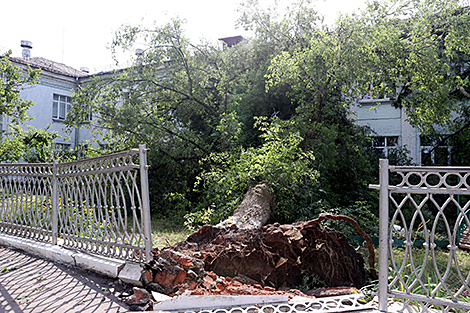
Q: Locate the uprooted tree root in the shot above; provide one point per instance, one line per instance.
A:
(274, 257)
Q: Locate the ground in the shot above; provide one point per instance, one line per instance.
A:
(29, 284)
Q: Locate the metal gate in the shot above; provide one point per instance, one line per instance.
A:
(97, 205)
(423, 212)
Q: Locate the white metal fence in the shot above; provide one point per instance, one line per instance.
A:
(98, 205)
(428, 207)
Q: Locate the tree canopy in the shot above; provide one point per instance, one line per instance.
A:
(32, 145)
(196, 105)
(13, 79)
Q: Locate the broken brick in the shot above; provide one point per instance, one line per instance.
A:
(212, 275)
(180, 278)
(147, 277)
(186, 263)
(141, 296)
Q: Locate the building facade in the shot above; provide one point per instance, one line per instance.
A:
(389, 127)
(52, 96)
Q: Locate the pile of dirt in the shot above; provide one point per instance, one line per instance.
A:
(272, 259)
(240, 256)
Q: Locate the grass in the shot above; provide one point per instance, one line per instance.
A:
(426, 271)
(166, 233)
(429, 275)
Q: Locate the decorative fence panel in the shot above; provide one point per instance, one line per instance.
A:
(26, 201)
(426, 207)
(98, 205)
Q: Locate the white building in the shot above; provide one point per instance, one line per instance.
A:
(391, 130)
(52, 97)
(389, 127)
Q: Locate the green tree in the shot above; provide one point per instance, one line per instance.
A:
(173, 98)
(33, 145)
(416, 52)
(311, 69)
(279, 162)
(196, 107)
(12, 80)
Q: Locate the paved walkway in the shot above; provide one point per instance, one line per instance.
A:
(29, 284)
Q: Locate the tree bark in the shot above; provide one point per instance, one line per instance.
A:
(254, 210)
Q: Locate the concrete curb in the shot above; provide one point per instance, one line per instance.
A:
(101, 265)
(197, 303)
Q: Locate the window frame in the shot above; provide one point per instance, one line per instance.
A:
(60, 104)
(386, 147)
(431, 145)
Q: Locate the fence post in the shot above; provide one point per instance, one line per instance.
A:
(383, 235)
(55, 202)
(145, 202)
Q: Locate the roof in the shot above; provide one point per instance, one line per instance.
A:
(231, 41)
(50, 66)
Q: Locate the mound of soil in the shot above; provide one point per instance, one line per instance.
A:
(274, 257)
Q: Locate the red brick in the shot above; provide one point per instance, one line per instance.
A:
(159, 278)
(147, 277)
(186, 263)
(210, 279)
(212, 274)
(206, 284)
(180, 278)
(140, 296)
(169, 279)
(192, 285)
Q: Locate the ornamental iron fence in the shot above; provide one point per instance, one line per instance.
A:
(98, 205)
(429, 205)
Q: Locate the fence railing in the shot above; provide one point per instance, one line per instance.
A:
(98, 205)
(429, 205)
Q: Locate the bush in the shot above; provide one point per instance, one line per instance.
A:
(279, 162)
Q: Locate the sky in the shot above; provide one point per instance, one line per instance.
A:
(78, 33)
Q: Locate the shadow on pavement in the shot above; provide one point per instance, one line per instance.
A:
(30, 284)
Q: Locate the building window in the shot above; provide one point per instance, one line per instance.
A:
(385, 143)
(435, 151)
(60, 107)
(62, 146)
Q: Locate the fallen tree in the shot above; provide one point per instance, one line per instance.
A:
(239, 253)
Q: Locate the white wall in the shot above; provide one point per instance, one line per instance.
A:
(386, 120)
(41, 112)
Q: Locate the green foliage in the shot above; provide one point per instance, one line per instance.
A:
(399, 156)
(310, 281)
(178, 98)
(31, 145)
(279, 162)
(417, 52)
(194, 105)
(363, 213)
(11, 82)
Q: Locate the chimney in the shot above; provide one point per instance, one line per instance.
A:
(85, 69)
(27, 46)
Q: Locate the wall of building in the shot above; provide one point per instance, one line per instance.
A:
(41, 112)
(385, 120)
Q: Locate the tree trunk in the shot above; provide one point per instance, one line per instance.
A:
(254, 210)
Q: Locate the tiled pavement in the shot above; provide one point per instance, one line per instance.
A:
(29, 284)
